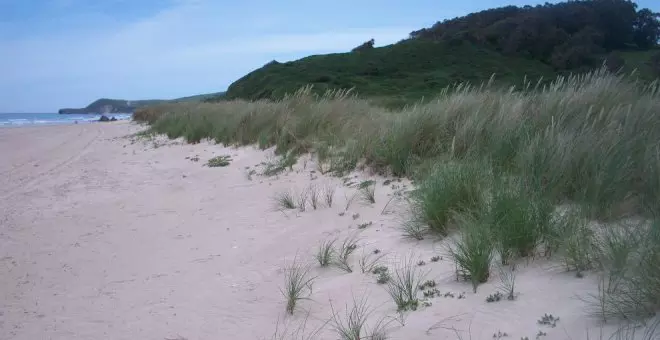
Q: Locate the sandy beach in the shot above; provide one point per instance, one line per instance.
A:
(105, 236)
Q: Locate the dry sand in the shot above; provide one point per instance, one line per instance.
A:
(105, 238)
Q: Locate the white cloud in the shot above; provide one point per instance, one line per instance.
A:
(192, 43)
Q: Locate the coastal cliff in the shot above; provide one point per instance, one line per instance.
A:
(108, 106)
(105, 106)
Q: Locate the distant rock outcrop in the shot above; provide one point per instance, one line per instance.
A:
(105, 106)
(109, 106)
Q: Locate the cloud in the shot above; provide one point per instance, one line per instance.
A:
(172, 38)
(194, 45)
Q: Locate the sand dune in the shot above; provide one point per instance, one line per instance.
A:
(106, 237)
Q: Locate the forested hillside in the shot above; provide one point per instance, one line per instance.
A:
(511, 43)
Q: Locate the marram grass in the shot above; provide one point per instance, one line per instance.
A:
(588, 140)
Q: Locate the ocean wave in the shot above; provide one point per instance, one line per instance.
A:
(55, 119)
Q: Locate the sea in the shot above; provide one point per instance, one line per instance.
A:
(26, 119)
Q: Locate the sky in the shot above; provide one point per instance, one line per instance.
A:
(68, 53)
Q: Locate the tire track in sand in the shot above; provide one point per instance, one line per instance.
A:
(33, 180)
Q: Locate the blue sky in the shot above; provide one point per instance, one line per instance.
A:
(67, 53)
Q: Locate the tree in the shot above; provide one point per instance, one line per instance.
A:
(366, 46)
(568, 35)
(646, 31)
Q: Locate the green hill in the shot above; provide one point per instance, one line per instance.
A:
(408, 69)
(106, 106)
(511, 43)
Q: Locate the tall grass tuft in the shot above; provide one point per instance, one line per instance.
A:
(314, 196)
(519, 220)
(368, 193)
(451, 188)
(297, 284)
(344, 253)
(368, 262)
(472, 251)
(326, 253)
(630, 287)
(403, 284)
(353, 325)
(284, 200)
(329, 194)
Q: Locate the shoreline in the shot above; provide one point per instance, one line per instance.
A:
(112, 237)
(48, 119)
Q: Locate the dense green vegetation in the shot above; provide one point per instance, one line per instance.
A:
(510, 43)
(587, 144)
(566, 35)
(408, 70)
(546, 168)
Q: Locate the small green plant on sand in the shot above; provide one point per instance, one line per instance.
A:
(413, 230)
(497, 296)
(277, 167)
(368, 192)
(297, 284)
(349, 200)
(326, 253)
(382, 273)
(353, 325)
(548, 320)
(507, 282)
(370, 261)
(403, 284)
(329, 194)
(314, 196)
(219, 161)
(472, 251)
(365, 225)
(284, 200)
(344, 252)
(302, 200)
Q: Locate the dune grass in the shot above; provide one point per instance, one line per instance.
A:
(329, 194)
(451, 188)
(297, 284)
(326, 253)
(368, 262)
(368, 192)
(519, 220)
(589, 141)
(314, 196)
(354, 324)
(473, 250)
(630, 285)
(403, 284)
(346, 249)
(284, 200)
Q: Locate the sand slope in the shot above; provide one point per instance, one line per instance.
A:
(105, 238)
